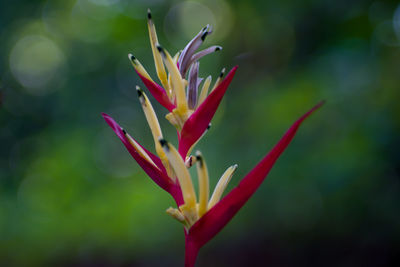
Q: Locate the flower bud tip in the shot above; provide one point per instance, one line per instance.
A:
(139, 91)
(160, 49)
(222, 73)
(199, 157)
(163, 143)
(203, 37)
(148, 13)
(131, 57)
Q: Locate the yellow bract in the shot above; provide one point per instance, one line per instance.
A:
(202, 175)
(155, 128)
(204, 90)
(221, 185)
(162, 75)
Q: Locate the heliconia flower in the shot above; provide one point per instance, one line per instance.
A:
(191, 111)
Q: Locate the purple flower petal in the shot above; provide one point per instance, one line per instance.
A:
(203, 53)
(191, 48)
(193, 85)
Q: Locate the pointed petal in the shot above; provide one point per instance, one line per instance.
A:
(204, 52)
(193, 85)
(216, 218)
(138, 66)
(198, 122)
(162, 75)
(158, 175)
(204, 183)
(157, 92)
(155, 128)
(176, 80)
(182, 173)
(204, 90)
(221, 186)
(219, 79)
(191, 48)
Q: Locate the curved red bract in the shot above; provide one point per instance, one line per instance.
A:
(198, 122)
(158, 93)
(217, 217)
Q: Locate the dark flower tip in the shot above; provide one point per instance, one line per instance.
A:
(139, 91)
(131, 57)
(203, 37)
(148, 13)
(160, 49)
(222, 73)
(164, 143)
(199, 158)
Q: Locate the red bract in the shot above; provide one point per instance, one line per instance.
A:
(157, 92)
(198, 122)
(217, 217)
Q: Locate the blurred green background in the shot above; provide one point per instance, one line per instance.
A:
(70, 194)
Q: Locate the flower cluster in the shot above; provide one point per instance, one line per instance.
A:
(191, 110)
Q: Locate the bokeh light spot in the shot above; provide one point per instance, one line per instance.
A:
(36, 62)
(186, 19)
(192, 15)
(84, 20)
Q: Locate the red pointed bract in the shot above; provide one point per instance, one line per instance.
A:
(198, 122)
(156, 174)
(218, 216)
(157, 92)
